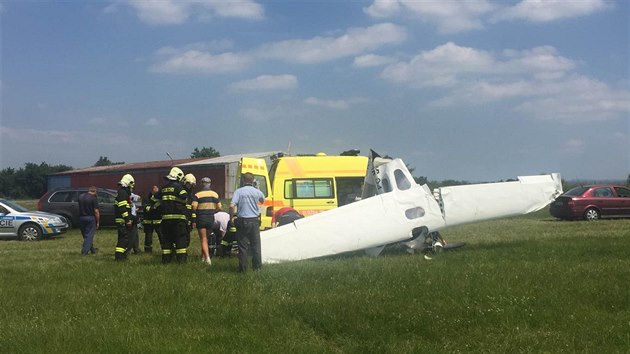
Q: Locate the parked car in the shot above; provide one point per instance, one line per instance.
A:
(592, 203)
(65, 202)
(18, 222)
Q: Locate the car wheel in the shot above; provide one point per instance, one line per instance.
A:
(69, 220)
(29, 232)
(591, 214)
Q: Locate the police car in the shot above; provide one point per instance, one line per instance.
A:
(17, 221)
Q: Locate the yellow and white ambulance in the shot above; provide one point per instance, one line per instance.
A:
(309, 184)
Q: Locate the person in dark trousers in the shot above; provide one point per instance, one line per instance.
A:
(285, 216)
(122, 213)
(152, 219)
(244, 205)
(175, 216)
(89, 219)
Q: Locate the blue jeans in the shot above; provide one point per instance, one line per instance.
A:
(88, 227)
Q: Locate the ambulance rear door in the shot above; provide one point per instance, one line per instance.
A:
(258, 167)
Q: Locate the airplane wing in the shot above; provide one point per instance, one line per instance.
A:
(402, 210)
(364, 224)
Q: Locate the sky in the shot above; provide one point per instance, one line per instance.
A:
(476, 90)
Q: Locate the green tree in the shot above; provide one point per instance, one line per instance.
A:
(104, 161)
(29, 181)
(628, 180)
(204, 152)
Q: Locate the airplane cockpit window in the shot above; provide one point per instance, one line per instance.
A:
(386, 186)
(401, 180)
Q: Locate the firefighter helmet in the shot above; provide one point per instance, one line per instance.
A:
(127, 181)
(190, 179)
(176, 174)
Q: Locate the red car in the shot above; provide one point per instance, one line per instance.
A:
(592, 203)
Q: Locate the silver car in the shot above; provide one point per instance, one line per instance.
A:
(17, 221)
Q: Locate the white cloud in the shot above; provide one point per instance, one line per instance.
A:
(573, 146)
(549, 10)
(332, 104)
(460, 16)
(199, 58)
(320, 49)
(152, 122)
(265, 83)
(543, 82)
(371, 60)
(174, 12)
(440, 66)
(187, 61)
(448, 16)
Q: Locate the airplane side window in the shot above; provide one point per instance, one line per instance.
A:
(401, 180)
(386, 186)
(414, 213)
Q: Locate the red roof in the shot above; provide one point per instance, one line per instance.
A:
(135, 166)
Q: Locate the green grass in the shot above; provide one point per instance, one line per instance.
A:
(529, 284)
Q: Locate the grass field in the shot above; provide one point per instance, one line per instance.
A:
(529, 284)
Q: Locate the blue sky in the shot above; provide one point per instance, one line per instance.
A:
(476, 90)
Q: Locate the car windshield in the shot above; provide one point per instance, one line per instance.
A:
(13, 205)
(576, 192)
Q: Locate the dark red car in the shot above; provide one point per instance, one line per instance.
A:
(592, 203)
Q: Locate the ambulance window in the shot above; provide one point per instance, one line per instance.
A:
(313, 188)
(260, 182)
(288, 189)
(401, 180)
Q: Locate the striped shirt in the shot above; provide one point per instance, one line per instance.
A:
(205, 202)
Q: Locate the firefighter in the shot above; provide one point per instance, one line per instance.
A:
(175, 216)
(124, 221)
(152, 219)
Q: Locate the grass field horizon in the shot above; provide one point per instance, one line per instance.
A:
(526, 284)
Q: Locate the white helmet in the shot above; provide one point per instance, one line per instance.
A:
(190, 178)
(176, 174)
(127, 181)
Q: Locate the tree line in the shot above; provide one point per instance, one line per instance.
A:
(29, 182)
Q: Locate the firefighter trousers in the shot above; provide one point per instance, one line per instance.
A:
(174, 233)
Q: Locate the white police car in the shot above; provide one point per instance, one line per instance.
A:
(17, 221)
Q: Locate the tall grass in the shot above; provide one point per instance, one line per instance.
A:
(527, 284)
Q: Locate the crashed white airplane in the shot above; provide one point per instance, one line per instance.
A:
(396, 209)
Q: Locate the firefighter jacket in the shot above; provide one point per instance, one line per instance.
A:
(174, 201)
(152, 209)
(192, 216)
(122, 209)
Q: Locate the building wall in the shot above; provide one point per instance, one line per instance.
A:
(145, 179)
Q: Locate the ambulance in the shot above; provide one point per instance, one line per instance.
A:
(309, 184)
